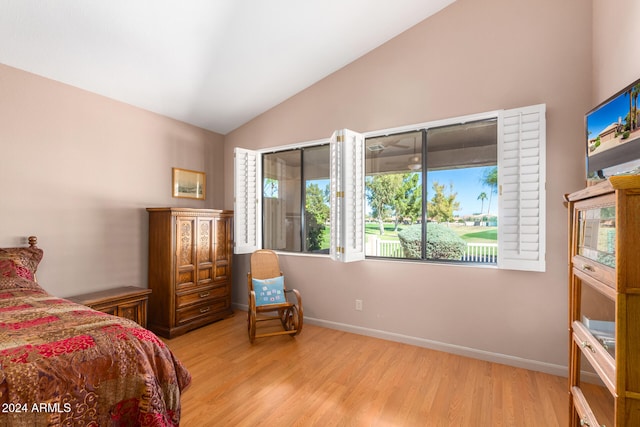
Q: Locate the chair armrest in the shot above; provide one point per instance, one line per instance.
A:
(296, 293)
(252, 301)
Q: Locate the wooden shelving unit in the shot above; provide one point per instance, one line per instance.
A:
(604, 303)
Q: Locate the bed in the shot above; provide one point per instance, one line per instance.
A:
(62, 363)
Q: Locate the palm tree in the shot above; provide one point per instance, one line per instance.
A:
(490, 179)
(482, 197)
(635, 91)
(630, 121)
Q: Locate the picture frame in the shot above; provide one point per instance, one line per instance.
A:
(189, 184)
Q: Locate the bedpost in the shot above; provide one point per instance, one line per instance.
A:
(33, 241)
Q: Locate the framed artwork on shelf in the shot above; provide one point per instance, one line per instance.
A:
(189, 184)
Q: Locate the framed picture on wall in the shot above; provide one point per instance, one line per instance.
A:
(189, 184)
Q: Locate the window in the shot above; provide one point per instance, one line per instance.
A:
(281, 210)
(295, 199)
(454, 217)
(415, 178)
(315, 174)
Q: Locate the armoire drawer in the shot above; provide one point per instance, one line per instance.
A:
(200, 295)
(186, 315)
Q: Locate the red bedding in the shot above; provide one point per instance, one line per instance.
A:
(65, 364)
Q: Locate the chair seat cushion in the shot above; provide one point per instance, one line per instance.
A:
(269, 291)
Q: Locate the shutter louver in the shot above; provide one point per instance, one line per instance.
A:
(247, 201)
(521, 183)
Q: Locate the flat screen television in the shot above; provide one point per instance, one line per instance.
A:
(613, 135)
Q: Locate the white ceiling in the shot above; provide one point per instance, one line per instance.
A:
(212, 63)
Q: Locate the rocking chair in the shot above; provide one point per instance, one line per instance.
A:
(269, 299)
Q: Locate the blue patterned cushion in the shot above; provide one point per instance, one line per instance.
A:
(269, 291)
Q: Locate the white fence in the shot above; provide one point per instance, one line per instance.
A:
(481, 252)
(385, 248)
(476, 252)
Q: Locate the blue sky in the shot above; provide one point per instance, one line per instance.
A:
(467, 183)
(607, 114)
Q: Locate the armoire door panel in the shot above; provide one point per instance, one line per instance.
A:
(185, 248)
(205, 240)
(223, 234)
(222, 271)
(205, 273)
(223, 249)
(186, 278)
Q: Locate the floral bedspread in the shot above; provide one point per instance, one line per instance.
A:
(64, 364)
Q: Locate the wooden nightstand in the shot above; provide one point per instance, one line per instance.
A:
(129, 302)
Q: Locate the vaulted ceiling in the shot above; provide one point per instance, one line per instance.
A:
(212, 63)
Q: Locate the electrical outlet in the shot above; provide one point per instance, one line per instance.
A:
(359, 305)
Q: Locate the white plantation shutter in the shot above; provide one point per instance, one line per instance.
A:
(247, 201)
(521, 188)
(347, 196)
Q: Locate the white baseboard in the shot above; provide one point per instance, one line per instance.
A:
(445, 347)
(534, 365)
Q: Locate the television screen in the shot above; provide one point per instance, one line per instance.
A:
(613, 135)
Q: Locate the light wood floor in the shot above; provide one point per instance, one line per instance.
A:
(325, 377)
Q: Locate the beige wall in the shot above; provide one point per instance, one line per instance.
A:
(616, 59)
(78, 170)
(473, 56)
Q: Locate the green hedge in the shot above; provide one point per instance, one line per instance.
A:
(442, 242)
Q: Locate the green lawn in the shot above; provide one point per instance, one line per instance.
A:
(474, 234)
(469, 233)
(373, 228)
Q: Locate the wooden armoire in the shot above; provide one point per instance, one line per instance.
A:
(190, 253)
